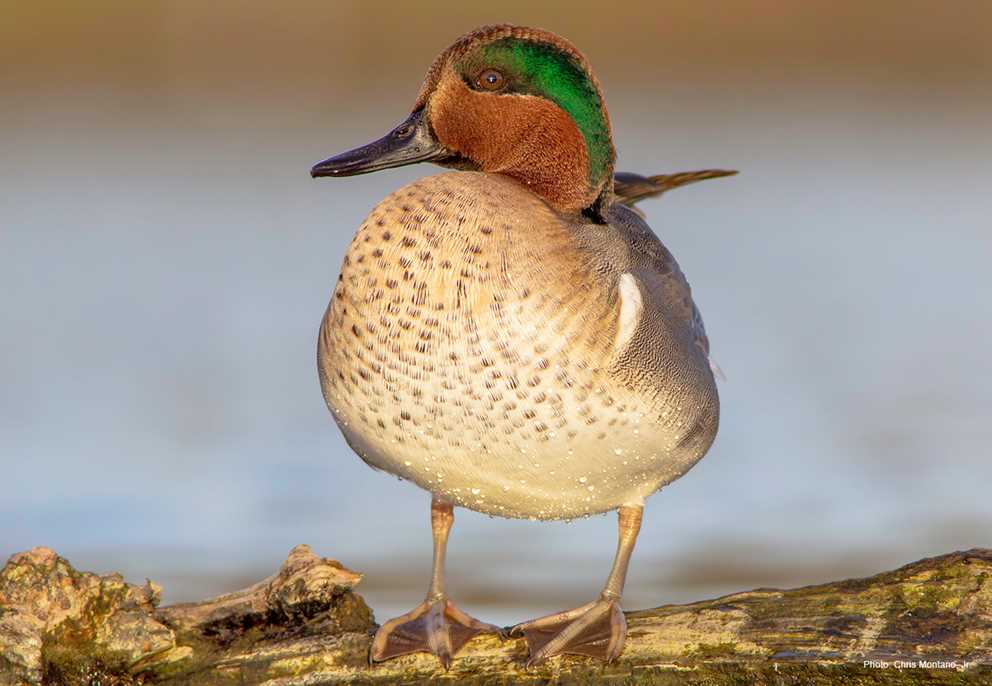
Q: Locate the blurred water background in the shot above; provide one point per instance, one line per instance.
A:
(165, 261)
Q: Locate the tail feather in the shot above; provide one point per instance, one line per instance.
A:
(631, 188)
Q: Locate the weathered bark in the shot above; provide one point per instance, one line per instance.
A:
(306, 625)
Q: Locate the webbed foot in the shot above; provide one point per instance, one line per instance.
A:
(436, 627)
(597, 629)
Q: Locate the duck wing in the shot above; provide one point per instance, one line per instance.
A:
(650, 278)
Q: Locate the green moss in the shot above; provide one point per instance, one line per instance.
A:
(833, 602)
(69, 661)
(579, 672)
(69, 655)
(711, 651)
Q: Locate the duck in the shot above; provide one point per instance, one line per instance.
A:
(510, 335)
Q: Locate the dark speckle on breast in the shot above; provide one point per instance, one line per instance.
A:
(471, 353)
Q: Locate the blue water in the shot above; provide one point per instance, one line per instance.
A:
(161, 283)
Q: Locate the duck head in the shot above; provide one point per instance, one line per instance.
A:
(505, 100)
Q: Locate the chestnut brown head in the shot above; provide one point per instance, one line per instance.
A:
(509, 100)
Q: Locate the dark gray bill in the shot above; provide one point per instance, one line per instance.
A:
(410, 142)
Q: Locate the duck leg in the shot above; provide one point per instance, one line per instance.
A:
(596, 629)
(435, 626)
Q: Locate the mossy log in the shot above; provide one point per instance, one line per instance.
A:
(928, 622)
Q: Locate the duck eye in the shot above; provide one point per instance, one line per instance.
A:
(490, 80)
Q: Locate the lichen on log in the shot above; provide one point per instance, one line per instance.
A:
(929, 622)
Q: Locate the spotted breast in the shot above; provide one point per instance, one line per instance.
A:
(511, 361)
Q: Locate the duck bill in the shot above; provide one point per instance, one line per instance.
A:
(409, 143)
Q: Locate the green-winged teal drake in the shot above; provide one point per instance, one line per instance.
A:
(512, 337)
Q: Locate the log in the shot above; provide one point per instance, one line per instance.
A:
(929, 622)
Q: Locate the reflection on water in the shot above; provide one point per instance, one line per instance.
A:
(166, 260)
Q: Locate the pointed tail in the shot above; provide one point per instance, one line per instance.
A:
(630, 188)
